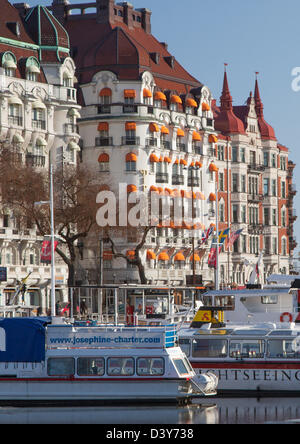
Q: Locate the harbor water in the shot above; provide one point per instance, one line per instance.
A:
(208, 411)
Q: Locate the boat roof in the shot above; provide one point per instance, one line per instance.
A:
(248, 292)
(271, 330)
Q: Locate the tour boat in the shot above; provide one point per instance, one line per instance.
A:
(46, 360)
(247, 359)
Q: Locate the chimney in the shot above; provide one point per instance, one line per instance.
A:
(23, 8)
(59, 11)
(105, 11)
(146, 19)
(128, 18)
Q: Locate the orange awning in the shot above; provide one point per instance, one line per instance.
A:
(153, 158)
(205, 106)
(169, 191)
(163, 256)
(176, 193)
(196, 258)
(103, 126)
(212, 138)
(199, 164)
(191, 102)
(212, 197)
(159, 96)
(147, 93)
(129, 93)
(154, 189)
(153, 127)
(180, 132)
(192, 164)
(131, 188)
(130, 253)
(151, 255)
(183, 162)
(212, 225)
(103, 157)
(164, 130)
(196, 136)
(179, 257)
(105, 92)
(130, 126)
(213, 168)
(176, 162)
(175, 99)
(167, 159)
(131, 157)
(200, 195)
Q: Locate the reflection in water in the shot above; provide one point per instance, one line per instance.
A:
(212, 411)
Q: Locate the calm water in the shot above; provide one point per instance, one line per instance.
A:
(210, 411)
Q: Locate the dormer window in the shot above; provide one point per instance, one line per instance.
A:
(32, 69)
(9, 63)
(68, 80)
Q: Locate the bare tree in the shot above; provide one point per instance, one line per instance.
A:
(75, 192)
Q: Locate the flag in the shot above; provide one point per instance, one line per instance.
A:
(46, 251)
(223, 235)
(212, 257)
(233, 237)
(206, 235)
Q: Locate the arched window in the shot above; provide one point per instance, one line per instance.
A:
(9, 63)
(131, 160)
(105, 97)
(103, 161)
(38, 115)
(32, 69)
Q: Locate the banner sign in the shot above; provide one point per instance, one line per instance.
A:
(101, 338)
(46, 251)
(22, 340)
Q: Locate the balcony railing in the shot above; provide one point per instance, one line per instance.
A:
(193, 182)
(104, 109)
(130, 140)
(15, 120)
(162, 177)
(71, 128)
(151, 142)
(37, 161)
(103, 141)
(38, 124)
(166, 144)
(130, 109)
(256, 168)
(181, 146)
(177, 179)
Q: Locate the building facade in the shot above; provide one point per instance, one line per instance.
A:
(148, 124)
(38, 111)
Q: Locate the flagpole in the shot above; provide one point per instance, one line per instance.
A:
(217, 286)
(53, 311)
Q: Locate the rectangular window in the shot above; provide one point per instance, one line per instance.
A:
(274, 187)
(283, 187)
(221, 181)
(274, 217)
(61, 366)
(246, 348)
(266, 186)
(209, 348)
(90, 366)
(243, 183)
(235, 210)
(273, 160)
(242, 154)
(185, 346)
(266, 159)
(244, 213)
(282, 348)
(150, 366)
(120, 366)
(181, 366)
(235, 182)
(234, 154)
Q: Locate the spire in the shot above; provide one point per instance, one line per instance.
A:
(226, 99)
(258, 103)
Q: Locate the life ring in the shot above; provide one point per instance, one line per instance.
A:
(284, 315)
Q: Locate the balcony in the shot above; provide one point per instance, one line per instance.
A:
(166, 144)
(151, 142)
(255, 168)
(255, 228)
(255, 197)
(193, 182)
(162, 177)
(38, 124)
(71, 128)
(15, 120)
(103, 141)
(104, 109)
(197, 148)
(130, 140)
(128, 109)
(180, 146)
(177, 179)
(35, 161)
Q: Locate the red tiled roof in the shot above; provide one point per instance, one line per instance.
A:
(9, 14)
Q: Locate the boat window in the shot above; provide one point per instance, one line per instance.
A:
(61, 366)
(150, 366)
(227, 302)
(181, 367)
(185, 346)
(120, 366)
(209, 348)
(248, 348)
(283, 348)
(269, 299)
(90, 366)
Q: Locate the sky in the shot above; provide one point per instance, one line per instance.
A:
(256, 35)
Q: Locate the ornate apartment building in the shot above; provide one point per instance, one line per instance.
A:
(148, 124)
(38, 111)
(256, 190)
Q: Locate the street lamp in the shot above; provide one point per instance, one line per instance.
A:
(53, 310)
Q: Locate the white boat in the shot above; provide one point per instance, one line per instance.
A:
(57, 362)
(261, 359)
